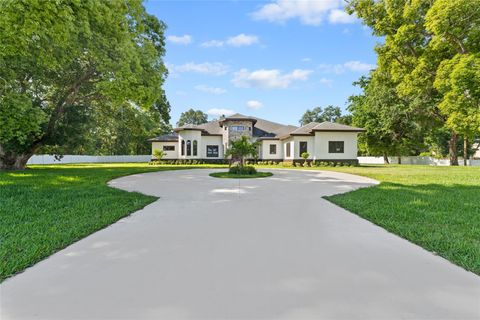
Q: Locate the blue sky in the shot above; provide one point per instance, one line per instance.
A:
(272, 59)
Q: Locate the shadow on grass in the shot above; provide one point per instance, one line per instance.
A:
(444, 219)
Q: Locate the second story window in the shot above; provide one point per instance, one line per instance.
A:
(237, 128)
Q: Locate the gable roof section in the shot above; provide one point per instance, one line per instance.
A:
(172, 137)
(333, 126)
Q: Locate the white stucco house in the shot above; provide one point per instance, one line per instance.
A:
(324, 141)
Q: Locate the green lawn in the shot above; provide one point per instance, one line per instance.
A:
(229, 175)
(437, 208)
(46, 208)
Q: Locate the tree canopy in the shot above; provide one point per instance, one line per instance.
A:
(192, 117)
(318, 114)
(63, 59)
(429, 47)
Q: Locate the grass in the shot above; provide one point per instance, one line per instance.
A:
(240, 176)
(46, 208)
(437, 208)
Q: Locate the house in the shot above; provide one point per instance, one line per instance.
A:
(324, 141)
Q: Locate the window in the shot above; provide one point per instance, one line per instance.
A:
(303, 147)
(189, 148)
(335, 146)
(168, 148)
(288, 150)
(212, 151)
(195, 145)
(273, 149)
(237, 128)
(183, 147)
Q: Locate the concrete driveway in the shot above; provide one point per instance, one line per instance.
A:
(267, 248)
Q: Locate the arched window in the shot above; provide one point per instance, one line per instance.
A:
(189, 148)
(194, 147)
(183, 147)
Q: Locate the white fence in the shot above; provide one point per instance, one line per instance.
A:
(49, 159)
(416, 160)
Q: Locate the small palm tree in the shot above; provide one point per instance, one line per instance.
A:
(158, 154)
(305, 156)
(242, 148)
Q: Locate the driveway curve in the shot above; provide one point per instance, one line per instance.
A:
(268, 248)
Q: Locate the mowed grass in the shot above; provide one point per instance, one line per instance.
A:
(46, 208)
(437, 208)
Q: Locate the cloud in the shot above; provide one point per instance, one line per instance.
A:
(213, 90)
(269, 79)
(216, 112)
(240, 40)
(212, 68)
(254, 104)
(338, 16)
(308, 12)
(352, 66)
(326, 82)
(185, 39)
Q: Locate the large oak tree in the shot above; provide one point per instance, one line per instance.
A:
(60, 57)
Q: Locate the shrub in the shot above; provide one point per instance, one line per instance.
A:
(242, 170)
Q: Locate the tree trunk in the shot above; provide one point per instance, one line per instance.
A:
(452, 146)
(399, 159)
(14, 161)
(465, 150)
(385, 159)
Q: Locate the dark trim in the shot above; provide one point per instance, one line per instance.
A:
(163, 140)
(212, 134)
(188, 129)
(302, 134)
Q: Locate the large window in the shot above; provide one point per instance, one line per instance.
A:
(183, 147)
(273, 149)
(189, 148)
(288, 149)
(212, 151)
(168, 148)
(237, 128)
(195, 147)
(336, 146)
(303, 148)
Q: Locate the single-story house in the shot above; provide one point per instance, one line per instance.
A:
(324, 141)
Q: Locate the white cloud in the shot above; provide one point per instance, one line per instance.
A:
(216, 112)
(212, 43)
(242, 40)
(269, 79)
(235, 41)
(338, 16)
(213, 68)
(185, 39)
(212, 90)
(308, 12)
(358, 66)
(352, 66)
(254, 104)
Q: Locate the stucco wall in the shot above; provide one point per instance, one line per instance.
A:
(211, 140)
(310, 146)
(168, 154)
(265, 150)
(321, 145)
(190, 135)
(285, 144)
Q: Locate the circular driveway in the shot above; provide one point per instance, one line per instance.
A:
(267, 248)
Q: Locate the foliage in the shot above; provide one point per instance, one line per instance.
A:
(230, 175)
(192, 117)
(317, 114)
(421, 37)
(64, 57)
(387, 118)
(158, 154)
(241, 148)
(242, 170)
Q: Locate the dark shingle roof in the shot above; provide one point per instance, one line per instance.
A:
(172, 137)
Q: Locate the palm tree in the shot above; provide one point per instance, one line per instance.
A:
(241, 148)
